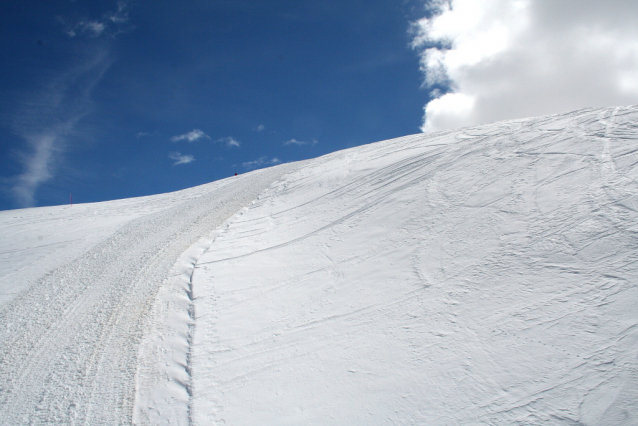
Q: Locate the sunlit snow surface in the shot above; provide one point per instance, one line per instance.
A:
(483, 276)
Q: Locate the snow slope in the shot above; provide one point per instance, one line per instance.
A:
(482, 276)
(486, 276)
(70, 337)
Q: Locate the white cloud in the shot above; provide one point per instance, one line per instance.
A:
(38, 169)
(48, 117)
(181, 159)
(111, 23)
(260, 162)
(229, 142)
(191, 136)
(312, 142)
(503, 59)
(261, 128)
(92, 28)
(196, 134)
(119, 17)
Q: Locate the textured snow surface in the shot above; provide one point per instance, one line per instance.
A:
(70, 340)
(482, 276)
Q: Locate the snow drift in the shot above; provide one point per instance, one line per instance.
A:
(486, 275)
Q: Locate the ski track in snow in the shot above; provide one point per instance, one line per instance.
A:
(69, 347)
(481, 276)
(485, 276)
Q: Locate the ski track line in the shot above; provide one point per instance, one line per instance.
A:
(69, 345)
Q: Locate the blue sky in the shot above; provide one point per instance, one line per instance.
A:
(107, 99)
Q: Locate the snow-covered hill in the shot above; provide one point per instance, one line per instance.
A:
(483, 276)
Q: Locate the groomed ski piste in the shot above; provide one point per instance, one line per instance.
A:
(481, 276)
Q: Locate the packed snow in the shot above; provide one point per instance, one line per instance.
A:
(70, 339)
(481, 276)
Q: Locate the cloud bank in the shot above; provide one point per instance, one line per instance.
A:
(191, 136)
(488, 60)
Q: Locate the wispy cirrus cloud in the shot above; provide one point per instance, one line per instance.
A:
(489, 60)
(37, 167)
(229, 142)
(121, 15)
(90, 28)
(48, 117)
(110, 24)
(311, 142)
(260, 162)
(192, 136)
(181, 158)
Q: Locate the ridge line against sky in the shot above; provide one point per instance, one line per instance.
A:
(113, 99)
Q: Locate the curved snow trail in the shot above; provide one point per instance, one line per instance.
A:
(69, 343)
